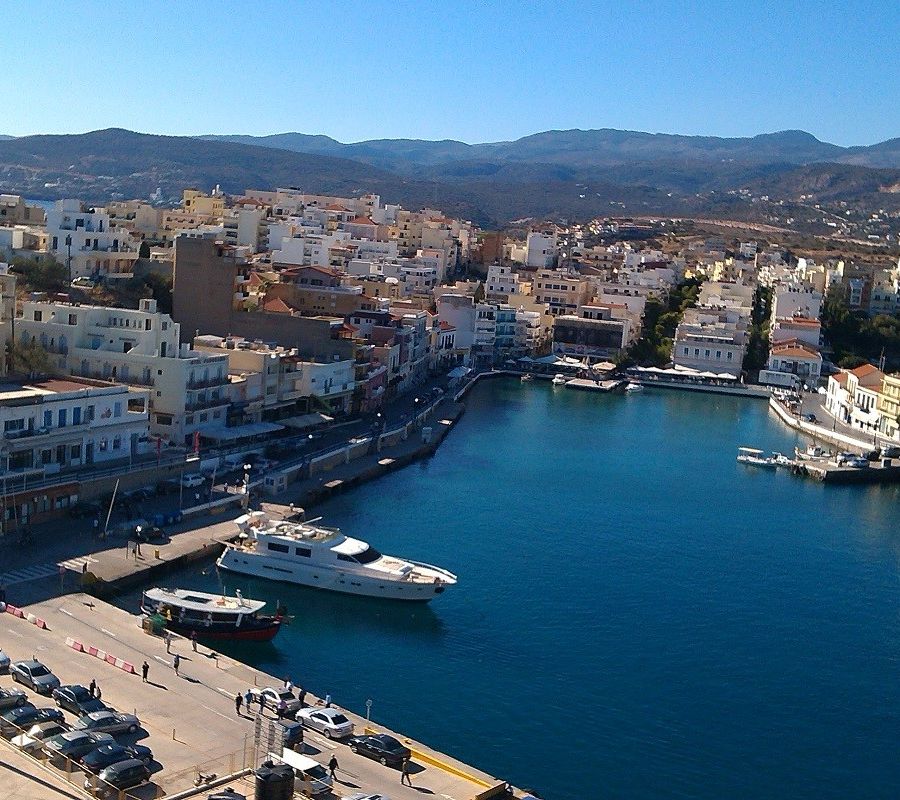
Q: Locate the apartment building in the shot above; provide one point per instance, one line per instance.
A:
(82, 238)
(563, 292)
(711, 340)
(592, 332)
(889, 406)
(134, 347)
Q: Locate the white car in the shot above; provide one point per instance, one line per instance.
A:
(329, 721)
(192, 480)
(33, 739)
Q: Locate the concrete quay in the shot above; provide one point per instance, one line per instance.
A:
(189, 720)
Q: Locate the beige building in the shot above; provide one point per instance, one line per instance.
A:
(563, 292)
(889, 406)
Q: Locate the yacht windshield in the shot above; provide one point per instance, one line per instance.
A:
(367, 556)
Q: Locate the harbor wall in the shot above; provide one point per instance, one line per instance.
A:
(817, 431)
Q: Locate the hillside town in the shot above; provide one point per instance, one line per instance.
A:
(290, 310)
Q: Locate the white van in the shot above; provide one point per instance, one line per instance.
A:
(311, 776)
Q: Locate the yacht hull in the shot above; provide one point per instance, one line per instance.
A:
(324, 577)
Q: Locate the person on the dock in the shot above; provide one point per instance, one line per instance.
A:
(145, 670)
(404, 773)
(99, 693)
(248, 698)
(92, 687)
(176, 662)
(287, 684)
(301, 695)
(238, 700)
(281, 711)
(262, 704)
(168, 638)
(333, 765)
(194, 641)
(327, 701)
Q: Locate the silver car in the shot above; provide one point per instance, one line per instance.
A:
(33, 740)
(329, 721)
(107, 722)
(11, 698)
(35, 676)
(4, 662)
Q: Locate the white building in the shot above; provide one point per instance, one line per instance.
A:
(81, 237)
(502, 281)
(141, 348)
(541, 249)
(710, 340)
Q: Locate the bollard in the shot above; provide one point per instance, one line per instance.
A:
(156, 553)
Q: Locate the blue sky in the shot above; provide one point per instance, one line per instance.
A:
(480, 71)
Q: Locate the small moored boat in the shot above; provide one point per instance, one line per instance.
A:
(527, 377)
(559, 380)
(211, 616)
(634, 387)
(754, 457)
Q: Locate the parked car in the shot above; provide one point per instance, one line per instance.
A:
(78, 700)
(149, 533)
(107, 722)
(18, 719)
(108, 754)
(192, 480)
(386, 749)
(274, 696)
(329, 721)
(4, 662)
(74, 745)
(890, 451)
(35, 676)
(122, 775)
(33, 739)
(365, 796)
(10, 698)
(293, 732)
(82, 510)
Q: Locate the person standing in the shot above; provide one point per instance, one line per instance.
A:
(333, 765)
(145, 670)
(194, 641)
(282, 708)
(262, 703)
(404, 777)
(92, 687)
(327, 701)
(248, 698)
(168, 637)
(176, 662)
(238, 699)
(301, 695)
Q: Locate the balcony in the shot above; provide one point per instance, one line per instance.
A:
(200, 405)
(206, 383)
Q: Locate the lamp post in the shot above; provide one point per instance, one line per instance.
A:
(69, 257)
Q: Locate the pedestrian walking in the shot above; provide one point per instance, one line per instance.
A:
(145, 670)
(99, 693)
(262, 704)
(301, 694)
(332, 765)
(168, 637)
(327, 701)
(194, 641)
(282, 709)
(92, 687)
(248, 698)
(404, 777)
(176, 662)
(238, 700)
(287, 684)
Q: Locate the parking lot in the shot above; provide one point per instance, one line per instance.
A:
(189, 720)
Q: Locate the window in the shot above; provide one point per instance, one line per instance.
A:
(75, 452)
(303, 551)
(63, 414)
(117, 409)
(279, 548)
(342, 557)
(696, 352)
(48, 419)
(685, 351)
(117, 443)
(729, 356)
(46, 456)
(104, 444)
(718, 354)
(38, 316)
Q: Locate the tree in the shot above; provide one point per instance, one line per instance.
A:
(144, 250)
(28, 358)
(40, 275)
(479, 293)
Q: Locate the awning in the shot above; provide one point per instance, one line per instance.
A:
(459, 372)
(220, 433)
(305, 421)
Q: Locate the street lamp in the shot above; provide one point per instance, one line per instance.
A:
(69, 256)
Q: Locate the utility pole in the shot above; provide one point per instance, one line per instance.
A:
(69, 257)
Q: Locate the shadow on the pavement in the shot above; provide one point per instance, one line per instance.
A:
(37, 780)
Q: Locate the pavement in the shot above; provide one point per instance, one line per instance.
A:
(189, 719)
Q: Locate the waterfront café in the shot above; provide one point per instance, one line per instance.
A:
(682, 375)
(565, 365)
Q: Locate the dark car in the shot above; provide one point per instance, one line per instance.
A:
(293, 732)
(78, 700)
(16, 720)
(381, 747)
(35, 676)
(122, 775)
(149, 533)
(82, 510)
(108, 754)
(74, 745)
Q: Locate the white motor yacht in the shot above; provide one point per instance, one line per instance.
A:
(324, 558)
(559, 380)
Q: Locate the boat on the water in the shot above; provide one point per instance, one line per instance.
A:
(812, 453)
(782, 460)
(634, 387)
(324, 558)
(527, 378)
(559, 380)
(754, 457)
(211, 616)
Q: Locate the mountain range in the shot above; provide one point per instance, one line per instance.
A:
(570, 174)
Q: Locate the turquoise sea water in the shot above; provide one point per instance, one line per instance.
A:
(638, 616)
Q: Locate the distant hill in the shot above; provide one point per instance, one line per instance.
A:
(593, 148)
(556, 174)
(4, 137)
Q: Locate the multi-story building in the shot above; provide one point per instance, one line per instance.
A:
(592, 333)
(502, 281)
(853, 396)
(14, 210)
(797, 358)
(889, 406)
(135, 347)
(82, 238)
(541, 248)
(563, 292)
(7, 314)
(711, 340)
